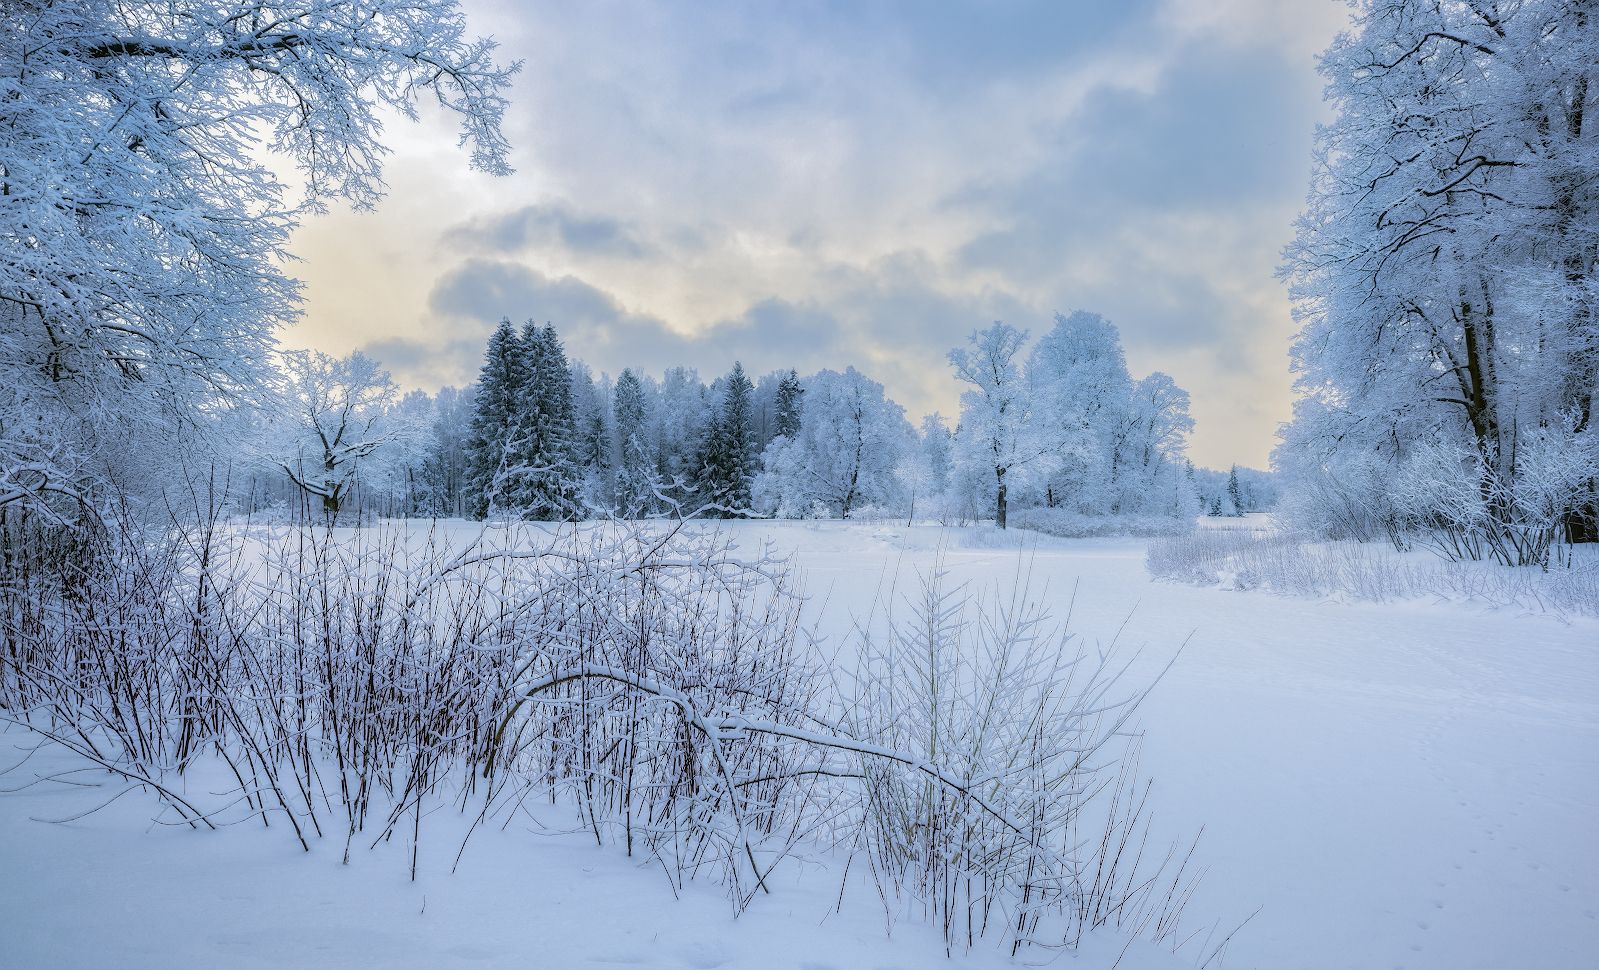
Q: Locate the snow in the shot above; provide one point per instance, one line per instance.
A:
(1409, 784)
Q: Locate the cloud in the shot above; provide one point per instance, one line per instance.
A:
(598, 329)
(890, 320)
(819, 185)
(549, 224)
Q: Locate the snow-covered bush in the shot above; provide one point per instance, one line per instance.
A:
(1296, 564)
(1076, 525)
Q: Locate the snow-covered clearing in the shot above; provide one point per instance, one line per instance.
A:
(1401, 785)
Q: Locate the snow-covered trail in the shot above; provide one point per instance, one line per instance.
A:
(1394, 785)
(1401, 785)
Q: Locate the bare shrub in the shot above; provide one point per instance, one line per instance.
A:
(1031, 727)
(350, 681)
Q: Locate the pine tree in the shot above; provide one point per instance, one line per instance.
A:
(635, 457)
(1233, 491)
(496, 423)
(789, 405)
(727, 461)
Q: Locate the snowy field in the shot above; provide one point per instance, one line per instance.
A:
(1410, 785)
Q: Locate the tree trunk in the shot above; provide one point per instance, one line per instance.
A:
(999, 498)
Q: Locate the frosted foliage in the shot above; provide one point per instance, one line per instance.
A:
(142, 232)
(845, 455)
(1443, 275)
(333, 418)
(1000, 442)
(1080, 376)
(1077, 435)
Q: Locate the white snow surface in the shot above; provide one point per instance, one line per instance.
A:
(1406, 785)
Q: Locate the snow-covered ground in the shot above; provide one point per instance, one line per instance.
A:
(1402, 785)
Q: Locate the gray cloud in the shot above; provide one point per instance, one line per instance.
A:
(550, 224)
(890, 321)
(772, 333)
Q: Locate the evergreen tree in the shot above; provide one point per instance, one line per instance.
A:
(727, 458)
(549, 475)
(594, 449)
(635, 459)
(789, 405)
(1233, 491)
(496, 423)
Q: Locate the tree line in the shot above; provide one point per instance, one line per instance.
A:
(1062, 432)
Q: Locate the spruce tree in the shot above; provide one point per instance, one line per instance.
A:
(550, 477)
(497, 423)
(1233, 491)
(727, 465)
(595, 450)
(635, 456)
(789, 405)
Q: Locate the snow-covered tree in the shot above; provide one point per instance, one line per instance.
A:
(548, 469)
(143, 233)
(681, 422)
(846, 453)
(635, 459)
(727, 462)
(444, 465)
(789, 407)
(1079, 380)
(927, 469)
(395, 471)
(594, 447)
(1148, 459)
(1235, 493)
(999, 434)
(1443, 271)
(335, 408)
(497, 423)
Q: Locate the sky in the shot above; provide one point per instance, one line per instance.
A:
(815, 185)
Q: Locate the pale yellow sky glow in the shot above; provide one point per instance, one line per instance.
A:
(794, 186)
